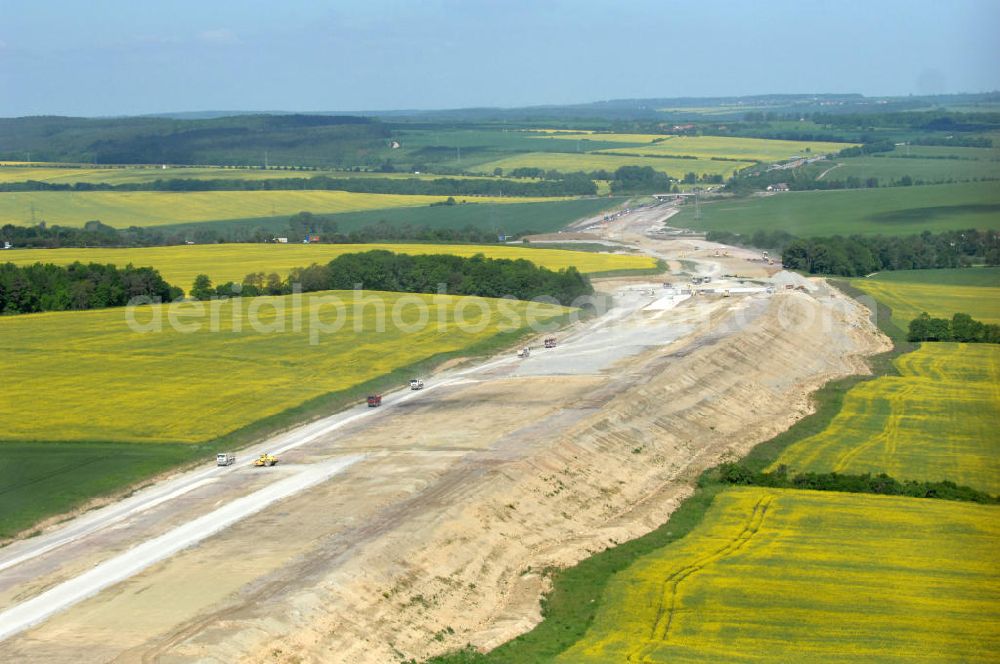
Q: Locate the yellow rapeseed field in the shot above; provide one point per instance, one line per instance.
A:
(706, 147)
(938, 420)
(732, 147)
(802, 576)
(592, 161)
(122, 209)
(88, 376)
(179, 265)
(909, 300)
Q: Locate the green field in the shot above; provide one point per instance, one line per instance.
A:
(890, 211)
(180, 264)
(157, 208)
(979, 276)
(39, 479)
(893, 166)
(949, 151)
(937, 420)
(801, 576)
(591, 161)
(941, 293)
(509, 218)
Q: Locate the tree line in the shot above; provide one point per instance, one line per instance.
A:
(93, 234)
(47, 287)
(881, 484)
(961, 327)
(571, 184)
(299, 227)
(859, 255)
(387, 271)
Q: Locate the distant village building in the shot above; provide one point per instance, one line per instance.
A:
(781, 186)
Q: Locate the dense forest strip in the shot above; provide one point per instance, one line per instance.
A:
(961, 327)
(856, 256)
(47, 287)
(382, 270)
(860, 255)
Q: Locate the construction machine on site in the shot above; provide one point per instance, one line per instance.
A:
(550, 342)
(265, 459)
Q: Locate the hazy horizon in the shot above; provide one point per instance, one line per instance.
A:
(112, 58)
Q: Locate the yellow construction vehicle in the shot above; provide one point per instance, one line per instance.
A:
(265, 459)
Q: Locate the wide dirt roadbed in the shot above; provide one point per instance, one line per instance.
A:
(426, 540)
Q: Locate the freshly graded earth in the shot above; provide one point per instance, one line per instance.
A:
(463, 491)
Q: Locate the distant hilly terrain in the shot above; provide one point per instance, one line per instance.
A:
(365, 140)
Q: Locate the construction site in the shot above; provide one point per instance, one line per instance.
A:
(419, 521)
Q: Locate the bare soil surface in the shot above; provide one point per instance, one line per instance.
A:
(463, 492)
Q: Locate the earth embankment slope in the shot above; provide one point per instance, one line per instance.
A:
(551, 497)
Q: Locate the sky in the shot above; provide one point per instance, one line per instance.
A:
(129, 57)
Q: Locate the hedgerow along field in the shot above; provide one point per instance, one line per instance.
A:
(885, 211)
(941, 293)
(180, 264)
(120, 405)
(129, 174)
(802, 576)
(937, 420)
(122, 209)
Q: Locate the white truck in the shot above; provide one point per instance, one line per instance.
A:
(416, 384)
(225, 459)
(524, 352)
